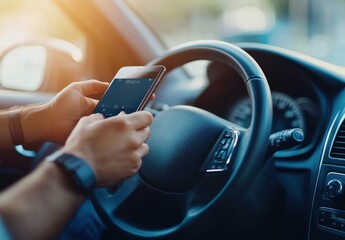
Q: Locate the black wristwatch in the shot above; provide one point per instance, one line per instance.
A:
(77, 169)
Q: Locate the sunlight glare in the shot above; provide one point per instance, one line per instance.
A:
(249, 19)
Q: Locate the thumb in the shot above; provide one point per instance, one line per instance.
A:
(88, 106)
(90, 87)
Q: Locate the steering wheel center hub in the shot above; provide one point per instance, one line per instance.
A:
(178, 150)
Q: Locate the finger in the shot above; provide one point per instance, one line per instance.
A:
(137, 120)
(153, 96)
(89, 105)
(140, 119)
(143, 150)
(90, 87)
(142, 135)
(91, 118)
(94, 102)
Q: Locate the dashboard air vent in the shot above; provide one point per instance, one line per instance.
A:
(338, 148)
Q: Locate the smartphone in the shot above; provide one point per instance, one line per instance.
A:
(130, 90)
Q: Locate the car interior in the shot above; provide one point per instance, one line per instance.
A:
(248, 137)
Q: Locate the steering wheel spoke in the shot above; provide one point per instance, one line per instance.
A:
(114, 197)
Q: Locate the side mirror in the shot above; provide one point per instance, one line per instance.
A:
(43, 64)
(24, 68)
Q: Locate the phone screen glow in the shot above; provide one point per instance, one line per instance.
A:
(124, 94)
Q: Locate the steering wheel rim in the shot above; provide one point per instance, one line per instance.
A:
(252, 145)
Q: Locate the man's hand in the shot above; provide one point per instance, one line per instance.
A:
(39, 205)
(71, 104)
(113, 146)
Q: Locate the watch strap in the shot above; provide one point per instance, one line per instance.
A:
(15, 127)
(78, 170)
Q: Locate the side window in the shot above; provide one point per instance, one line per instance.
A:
(24, 25)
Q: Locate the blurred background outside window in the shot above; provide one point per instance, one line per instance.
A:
(313, 27)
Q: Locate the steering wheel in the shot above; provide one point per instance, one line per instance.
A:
(199, 164)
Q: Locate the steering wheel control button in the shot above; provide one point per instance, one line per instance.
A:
(228, 134)
(224, 149)
(331, 218)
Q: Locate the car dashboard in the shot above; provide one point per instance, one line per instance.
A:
(297, 101)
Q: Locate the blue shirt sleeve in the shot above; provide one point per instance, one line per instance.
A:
(4, 234)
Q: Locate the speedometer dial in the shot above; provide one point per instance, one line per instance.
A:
(286, 113)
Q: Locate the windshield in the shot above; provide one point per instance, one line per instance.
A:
(312, 27)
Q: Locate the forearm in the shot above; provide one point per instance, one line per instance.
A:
(34, 125)
(40, 205)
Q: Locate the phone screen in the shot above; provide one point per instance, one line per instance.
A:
(127, 91)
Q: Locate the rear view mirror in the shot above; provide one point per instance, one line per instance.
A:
(23, 68)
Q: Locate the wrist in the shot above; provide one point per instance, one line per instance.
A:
(59, 179)
(35, 123)
(45, 195)
(15, 127)
(80, 153)
(77, 171)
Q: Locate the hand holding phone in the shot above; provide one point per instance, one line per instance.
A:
(130, 90)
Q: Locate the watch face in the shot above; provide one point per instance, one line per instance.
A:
(77, 169)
